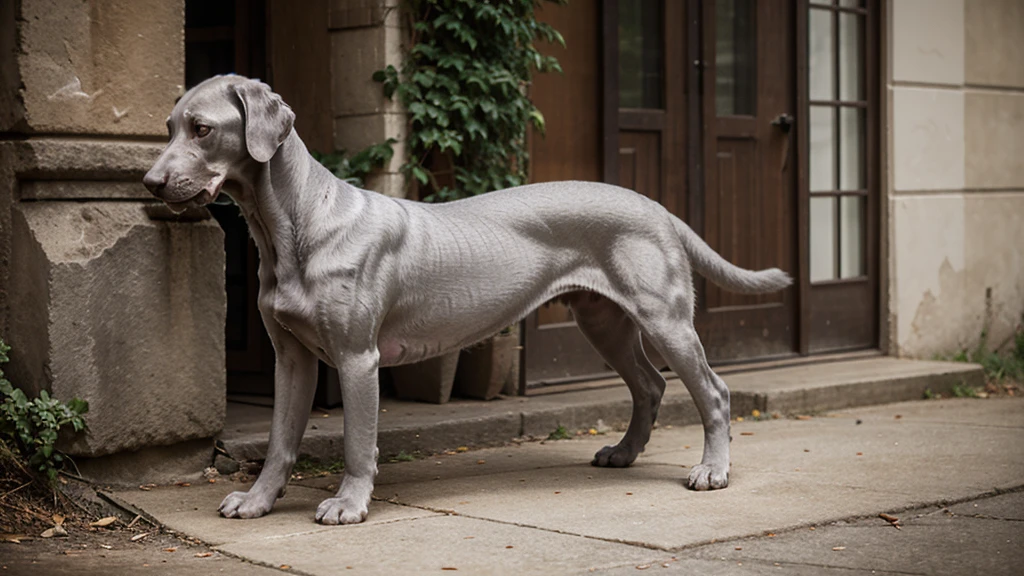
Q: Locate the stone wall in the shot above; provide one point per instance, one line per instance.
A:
(104, 294)
(366, 36)
(956, 186)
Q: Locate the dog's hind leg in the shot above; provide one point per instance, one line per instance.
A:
(678, 343)
(617, 338)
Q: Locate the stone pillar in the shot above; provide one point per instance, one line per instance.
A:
(366, 36)
(104, 294)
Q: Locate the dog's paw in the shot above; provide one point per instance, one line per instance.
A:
(245, 505)
(335, 511)
(708, 477)
(617, 456)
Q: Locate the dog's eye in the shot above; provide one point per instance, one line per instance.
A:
(202, 130)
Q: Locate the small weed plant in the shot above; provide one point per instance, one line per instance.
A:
(32, 427)
(999, 367)
(560, 433)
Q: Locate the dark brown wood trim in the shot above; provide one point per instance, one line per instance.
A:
(803, 193)
(641, 119)
(840, 103)
(610, 89)
(694, 120)
(870, 39)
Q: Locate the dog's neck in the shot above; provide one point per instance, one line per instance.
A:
(279, 198)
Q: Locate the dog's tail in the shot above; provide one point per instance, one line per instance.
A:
(712, 266)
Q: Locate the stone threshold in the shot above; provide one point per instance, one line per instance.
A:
(411, 427)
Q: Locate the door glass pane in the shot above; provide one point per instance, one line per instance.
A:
(823, 148)
(850, 57)
(821, 55)
(735, 57)
(851, 236)
(851, 148)
(823, 238)
(851, 3)
(640, 54)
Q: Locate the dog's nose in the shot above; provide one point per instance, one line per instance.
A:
(154, 183)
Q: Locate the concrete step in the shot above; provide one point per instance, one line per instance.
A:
(411, 427)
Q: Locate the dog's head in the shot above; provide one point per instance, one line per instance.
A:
(218, 130)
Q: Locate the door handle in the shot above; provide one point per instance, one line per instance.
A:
(784, 122)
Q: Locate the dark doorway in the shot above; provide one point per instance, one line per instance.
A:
(222, 38)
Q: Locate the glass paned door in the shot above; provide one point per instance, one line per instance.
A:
(840, 277)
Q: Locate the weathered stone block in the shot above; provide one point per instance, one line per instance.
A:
(98, 66)
(355, 55)
(124, 311)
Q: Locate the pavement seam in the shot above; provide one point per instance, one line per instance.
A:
(773, 563)
(449, 512)
(944, 503)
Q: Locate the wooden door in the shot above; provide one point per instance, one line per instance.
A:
(617, 115)
(746, 209)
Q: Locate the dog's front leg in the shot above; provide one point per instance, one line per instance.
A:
(294, 387)
(360, 395)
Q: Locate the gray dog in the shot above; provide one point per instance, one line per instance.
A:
(360, 280)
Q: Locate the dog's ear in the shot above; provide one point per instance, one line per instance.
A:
(268, 120)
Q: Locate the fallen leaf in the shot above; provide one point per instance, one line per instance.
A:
(103, 522)
(106, 547)
(803, 417)
(14, 538)
(173, 549)
(481, 461)
(860, 453)
(58, 519)
(558, 492)
(898, 416)
(838, 548)
(134, 520)
(739, 419)
(592, 431)
(771, 534)
(888, 518)
(469, 537)
(509, 547)
(57, 530)
(138, 537)
(643, 567)
(147, 487)
(629, 493)
(746, 433)
(448, 568)
(755, 412)
(203, 554)
(738, 548)
(183, 484)
(285, 567)
(686, 447)
(461, 449)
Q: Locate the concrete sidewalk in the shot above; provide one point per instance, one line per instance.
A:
(804, 499)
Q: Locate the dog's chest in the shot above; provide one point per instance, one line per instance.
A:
(295, 312)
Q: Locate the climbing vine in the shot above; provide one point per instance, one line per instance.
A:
(464, 83)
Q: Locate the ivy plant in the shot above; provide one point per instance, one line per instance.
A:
(32, 426)
(464, 83)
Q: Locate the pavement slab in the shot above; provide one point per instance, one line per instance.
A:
(561, 515)
(193, 511)
(439, 543)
